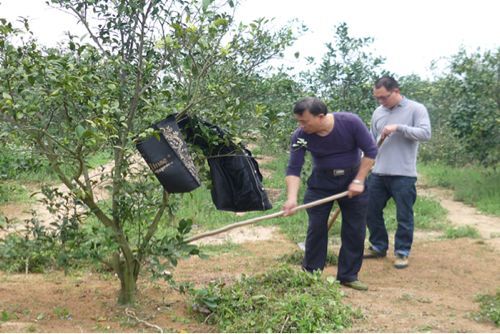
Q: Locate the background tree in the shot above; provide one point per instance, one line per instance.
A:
(345, 76)
(463, 105)
(475, 113)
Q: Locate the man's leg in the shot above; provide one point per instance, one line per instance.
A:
(404, 194)
(317, 231)
(378, 197)
(352, 234)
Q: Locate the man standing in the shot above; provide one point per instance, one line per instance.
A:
(402, 124)
(335, 142)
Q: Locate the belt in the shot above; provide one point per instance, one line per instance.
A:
(341, 172)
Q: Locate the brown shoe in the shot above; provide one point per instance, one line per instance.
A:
(401, 262)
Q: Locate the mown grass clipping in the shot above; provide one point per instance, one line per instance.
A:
(281, 300)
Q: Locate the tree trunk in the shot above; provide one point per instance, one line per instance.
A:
(127, 273)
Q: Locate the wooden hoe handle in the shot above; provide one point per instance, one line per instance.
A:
(272, 215)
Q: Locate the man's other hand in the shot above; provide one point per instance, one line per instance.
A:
(388, 130)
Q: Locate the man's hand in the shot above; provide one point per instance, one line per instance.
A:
(288, 207)
(355, 189)
(388, 129)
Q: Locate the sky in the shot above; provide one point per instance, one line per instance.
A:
(408, 33)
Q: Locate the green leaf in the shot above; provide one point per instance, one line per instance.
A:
(79, 130)
(6, 96)
(206, 3)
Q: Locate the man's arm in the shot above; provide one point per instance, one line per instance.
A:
(366, 143)
(292, 190)
(357, 185)
(419, 131)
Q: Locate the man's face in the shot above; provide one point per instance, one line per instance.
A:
(387, 98)
(308, 122)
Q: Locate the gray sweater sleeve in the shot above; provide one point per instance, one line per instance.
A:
(421, 129)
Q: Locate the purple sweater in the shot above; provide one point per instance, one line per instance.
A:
(341, 148)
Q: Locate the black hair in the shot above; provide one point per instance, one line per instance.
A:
(312, 104)
(387, 82)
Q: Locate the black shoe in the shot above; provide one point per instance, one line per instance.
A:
(356, 285)
(373, 254)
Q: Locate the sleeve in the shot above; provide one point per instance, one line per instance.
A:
(373, 128)
(364, 139)
(421, 127)
(297, 154)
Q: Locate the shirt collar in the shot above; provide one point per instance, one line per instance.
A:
(401, 103)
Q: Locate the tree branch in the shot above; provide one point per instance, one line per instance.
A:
(154, 226)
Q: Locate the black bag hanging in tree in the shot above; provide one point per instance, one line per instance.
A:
(236, 179)
(237, 182)
(168, 158)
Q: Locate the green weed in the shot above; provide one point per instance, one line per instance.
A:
(62, 313)
(489, 308)
(281, 300)
(296, 258)
(5, 315)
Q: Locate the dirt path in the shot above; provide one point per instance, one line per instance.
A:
(460, 214)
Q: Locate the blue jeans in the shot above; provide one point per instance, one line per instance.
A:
(402, 189)
(353, 230)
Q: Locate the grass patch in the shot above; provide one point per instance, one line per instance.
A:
(296, 258)
(42, 172)
(489, 308)
(11, 191)
(452, 232)
(474, 185)
(281, 300)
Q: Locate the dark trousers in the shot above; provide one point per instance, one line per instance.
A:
(402, 190)
(322, 184)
